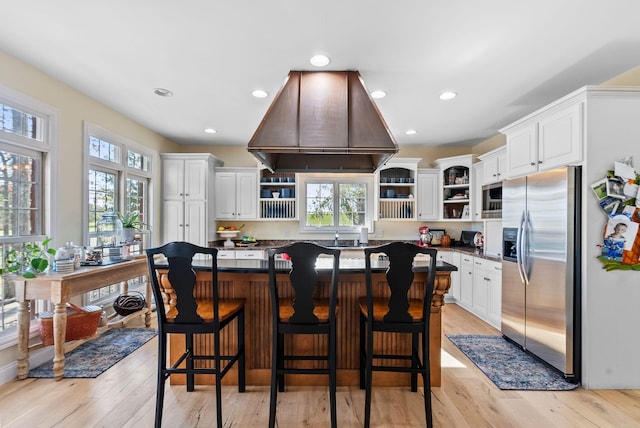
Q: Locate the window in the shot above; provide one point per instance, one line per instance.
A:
(27, 156)
(119, 178)
(333, 203)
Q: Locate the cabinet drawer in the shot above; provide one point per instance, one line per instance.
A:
(249, 254)
(226, 254)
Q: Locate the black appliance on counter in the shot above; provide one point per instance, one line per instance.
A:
(466, 238)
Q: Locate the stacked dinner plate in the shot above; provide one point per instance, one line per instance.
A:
(64, 266)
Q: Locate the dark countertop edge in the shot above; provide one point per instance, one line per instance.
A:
(261, 266)
(270, 244)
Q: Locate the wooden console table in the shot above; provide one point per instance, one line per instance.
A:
(58, 289)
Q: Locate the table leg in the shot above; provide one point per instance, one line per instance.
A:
(24, 317)
(59, 330)
(147, 315)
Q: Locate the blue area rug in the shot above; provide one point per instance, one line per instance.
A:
(95, 356)
(508, 366)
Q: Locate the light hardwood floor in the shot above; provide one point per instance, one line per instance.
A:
(124, 396)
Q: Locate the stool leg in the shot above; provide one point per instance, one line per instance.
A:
(275, 357)
(414, 362)
(162, 360)
(281, 362)
(241, 358)
(426, 363)
(363, 361)
(332, 375)
(189, 362)
(368, 376)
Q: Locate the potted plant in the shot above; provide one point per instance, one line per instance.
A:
(130, 223)
(29, 260)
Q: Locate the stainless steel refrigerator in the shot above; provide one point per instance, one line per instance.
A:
(541, 266)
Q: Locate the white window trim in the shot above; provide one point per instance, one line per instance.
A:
(50, 171)
(120, 166)
(303, 179)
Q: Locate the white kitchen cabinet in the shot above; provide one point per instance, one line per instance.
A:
(494, 165)
(546, 139)
(466, 281)
(477, 172)
(236, 194)
(395, 197)
(487, 290)
(184, 178)
(427, 194)
(187, 197)
(456, 187)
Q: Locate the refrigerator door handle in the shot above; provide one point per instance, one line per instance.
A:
(519, 249)
(525, 247)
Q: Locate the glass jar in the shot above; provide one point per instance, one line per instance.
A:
(109, 229)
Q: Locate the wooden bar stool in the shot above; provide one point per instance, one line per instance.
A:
(395, 312)
(173, 280)
(303, 313)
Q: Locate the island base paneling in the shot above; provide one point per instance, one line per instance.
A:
(255, 288)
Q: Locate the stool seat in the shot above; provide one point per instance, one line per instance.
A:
(227, 308)
(381, 308)
(321, 310)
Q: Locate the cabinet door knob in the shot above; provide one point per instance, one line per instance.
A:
(539, 161)
(533, 163)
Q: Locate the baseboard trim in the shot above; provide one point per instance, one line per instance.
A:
(9, 372)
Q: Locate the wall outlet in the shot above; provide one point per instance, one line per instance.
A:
(378, 234)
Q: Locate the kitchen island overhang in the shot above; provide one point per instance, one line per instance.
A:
(249, 279)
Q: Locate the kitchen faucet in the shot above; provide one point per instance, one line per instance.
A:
(335, 242)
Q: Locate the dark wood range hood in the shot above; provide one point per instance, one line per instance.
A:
(323, 121)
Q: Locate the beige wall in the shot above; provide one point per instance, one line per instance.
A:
(74, 109)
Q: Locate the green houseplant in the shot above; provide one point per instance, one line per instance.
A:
(130, 223)
(29, 260)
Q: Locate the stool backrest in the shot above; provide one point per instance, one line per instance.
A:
(304, 278)
(173, 280)
(399, 277)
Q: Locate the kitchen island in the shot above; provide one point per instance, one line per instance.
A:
(249, 279)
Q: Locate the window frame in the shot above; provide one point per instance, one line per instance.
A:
(336, 180)
(119, 167)
(47, 147)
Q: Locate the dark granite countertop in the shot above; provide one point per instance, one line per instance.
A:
(264, 245)
(323, 264)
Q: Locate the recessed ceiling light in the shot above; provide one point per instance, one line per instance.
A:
(210, 130)
(320, 60)
(378, 94)
(447, 95)
(259, 93)
(411, 132)
(163, 92)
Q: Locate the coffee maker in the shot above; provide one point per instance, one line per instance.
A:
(425, 236)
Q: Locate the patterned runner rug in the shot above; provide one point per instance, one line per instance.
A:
(508, 366)
(95, 356)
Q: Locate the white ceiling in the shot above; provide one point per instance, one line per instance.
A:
(504, 58)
